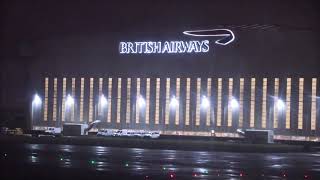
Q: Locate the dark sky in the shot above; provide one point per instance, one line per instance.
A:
(81, 37)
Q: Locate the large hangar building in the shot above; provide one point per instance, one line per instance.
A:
(181, 74)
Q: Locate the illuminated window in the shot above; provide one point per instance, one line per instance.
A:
(219, 98)
(100, 86)
(313, 103)
(55, 95)
(157, 100)
(178, 99)
(137, 102)
(208, 114)
(128, 112)
(46, 89)
(81, 98)
(109, 99)
(188, 102)
(252, 101)
(198, 102)
(119, 101)
(64, 87)
(73, 93)
(229, 104)
(166, 120)
(264, 103)
(91, 100)
(288, 102)
(300, 104)
(147, 100)
(275, 109)
(241, 102)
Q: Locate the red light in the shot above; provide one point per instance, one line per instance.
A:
(172, 175)
(284, 175)
(306, 176)
(195, 175)
(241, 174)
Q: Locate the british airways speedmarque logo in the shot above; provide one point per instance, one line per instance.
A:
(224, 37)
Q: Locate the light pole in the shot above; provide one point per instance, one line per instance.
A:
(35, 109)
(102, 104)
(280, 105)
(69, 105)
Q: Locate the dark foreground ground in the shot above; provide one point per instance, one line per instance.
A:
(52, 161)
(167, 143)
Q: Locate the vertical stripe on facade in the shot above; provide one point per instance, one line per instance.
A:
(46, 95)
(219, 99)
(187, 119)
(198, 101)
(109, 100)
(55, 99)
(208, 112)
(313, 103)
(128, 108)
(148, 101)
(138, 95)
(241, 91)
(252, 102)
(157, 111)
(64, 89)
(167, 110)
(230, 97)
(91, 99)
(275, 108)
(264, 103)
(300, 103)
(81, 98)
(119, 100)
(288, 103)
(177, 114)
(73, 94)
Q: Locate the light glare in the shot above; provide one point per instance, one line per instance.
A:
(205, 103)
(174, 102)
(103, 101)
(141, 101)
(280, 104)
(36, 100)
(70, 100)
(234, 103)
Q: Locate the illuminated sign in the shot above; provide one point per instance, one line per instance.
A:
(225, 36)
(164, 47)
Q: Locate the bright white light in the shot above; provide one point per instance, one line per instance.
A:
(205, 103)
(234, 103)
(141, 101)
(280, 104)
(70, 100)
(103, 101)
(174, 102)
(36, 100)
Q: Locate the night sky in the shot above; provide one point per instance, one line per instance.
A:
(82, 38)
